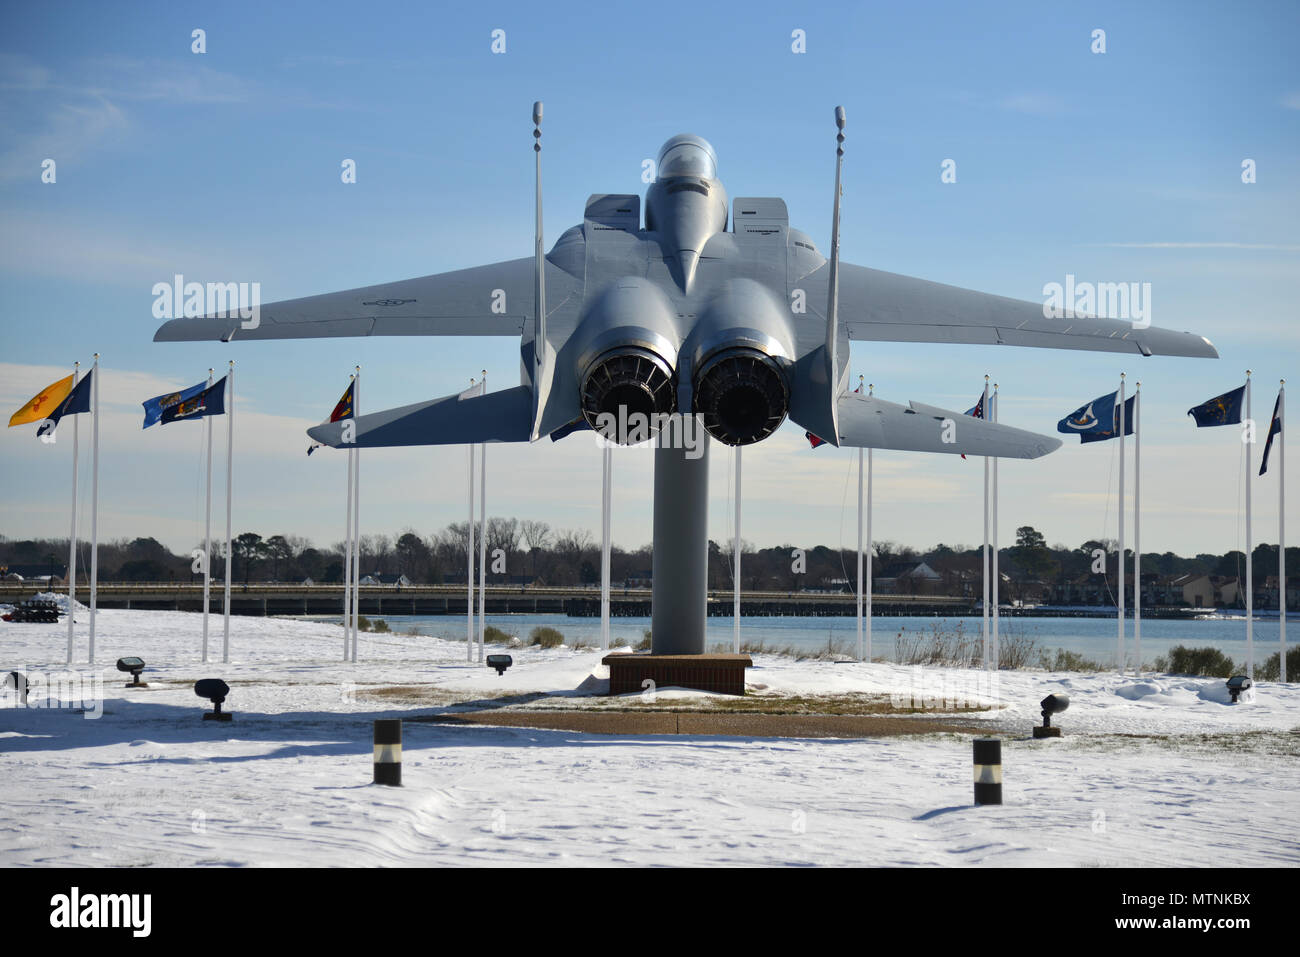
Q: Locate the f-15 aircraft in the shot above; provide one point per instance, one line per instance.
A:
(704, 311)
(707, 307)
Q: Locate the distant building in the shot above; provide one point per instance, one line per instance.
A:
(45, 573)
(909, 578)
(400, 581)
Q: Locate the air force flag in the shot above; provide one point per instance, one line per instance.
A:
(1098, 420)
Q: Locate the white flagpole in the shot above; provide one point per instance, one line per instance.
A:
(861, 459)
(482, 535)
(72, 537)
(1250, 558)
(607, 491)
(1281, 523)
(984, 630)
(94, 510)
(230, 478)
(735, 565)
(469, 555)
(870, 391)
(997, 578)
(347, 558)
(207, 533)
(356, 518)
(1119, 654)
(1137, 527)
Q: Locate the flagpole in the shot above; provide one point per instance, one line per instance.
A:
(207, 533)
(606, 491)
(1119, 654)
(72, 537)
(984, 630)
(870, 391)
(469, 554)
(861, 454)
(482, 534)
(1137, 527)
(230, 478)
(94, 510)
(997, 582)
(347, 545)
(735, 566)
(1281, 522)
(1250, 558)
(356, 518)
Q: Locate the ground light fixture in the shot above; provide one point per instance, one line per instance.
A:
(1237, 684)
(500, 663)
(133, 667)
(215, 690)
(1052, 704)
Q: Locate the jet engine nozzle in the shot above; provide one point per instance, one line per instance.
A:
(628, 388)
(742, 395)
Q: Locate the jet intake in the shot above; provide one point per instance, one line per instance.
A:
(741, 395)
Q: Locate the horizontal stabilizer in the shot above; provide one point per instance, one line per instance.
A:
(868, 422)
(504, 416)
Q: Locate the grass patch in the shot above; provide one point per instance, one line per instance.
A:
(1068, 661)
(1207, 662)
(546, 637)
(493, 635)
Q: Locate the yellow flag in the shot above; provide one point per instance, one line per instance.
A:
(43, 403)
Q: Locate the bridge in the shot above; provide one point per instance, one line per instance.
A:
(267, 598)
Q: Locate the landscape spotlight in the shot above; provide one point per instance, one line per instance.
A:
(1237, 684)
(215, 690)
(132, 666)
(1052, 704)
(500, 663)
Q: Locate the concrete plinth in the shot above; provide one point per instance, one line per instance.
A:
(722, 674)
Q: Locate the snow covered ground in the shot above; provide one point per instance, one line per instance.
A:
(1154, 770)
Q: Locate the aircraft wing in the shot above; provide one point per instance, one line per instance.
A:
(886, 307)
(493, 300)
(872, 423)
(502, 416)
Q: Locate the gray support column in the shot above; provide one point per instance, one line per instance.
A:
(681, 545)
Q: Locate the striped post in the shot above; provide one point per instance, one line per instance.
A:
(388, 752)
(988, 771)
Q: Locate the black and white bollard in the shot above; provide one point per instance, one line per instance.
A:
(988, 770)
(388, 752)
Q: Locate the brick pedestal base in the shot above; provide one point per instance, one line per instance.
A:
(723, 674)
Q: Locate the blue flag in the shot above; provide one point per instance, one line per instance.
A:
(1221, 410)
(209, 401)
(1101, 435)
(154, 408)
(78, 400)
(1274, 428)
(1099, 419)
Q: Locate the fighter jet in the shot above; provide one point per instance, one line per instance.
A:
(714, 308)
(703, 311)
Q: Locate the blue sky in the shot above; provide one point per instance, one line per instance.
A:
(1122, 166)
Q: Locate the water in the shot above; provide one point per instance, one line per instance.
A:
(1094, 638)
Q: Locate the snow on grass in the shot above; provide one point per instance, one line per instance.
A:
(287, 782)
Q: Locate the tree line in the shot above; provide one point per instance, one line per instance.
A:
(521, 551)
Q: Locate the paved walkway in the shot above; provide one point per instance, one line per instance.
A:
(707, 723)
